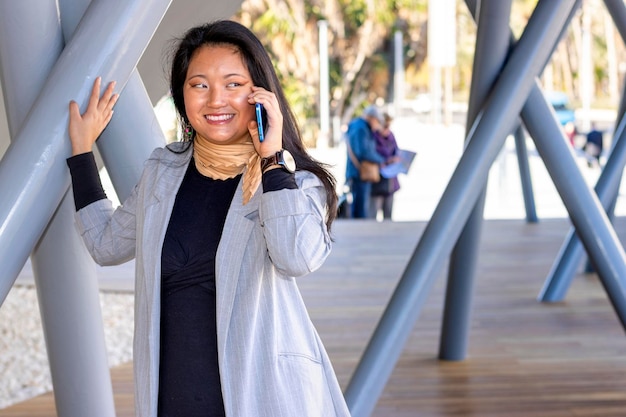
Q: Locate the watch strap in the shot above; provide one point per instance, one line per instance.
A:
(270, 161)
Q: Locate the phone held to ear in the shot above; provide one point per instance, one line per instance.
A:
(260, 120)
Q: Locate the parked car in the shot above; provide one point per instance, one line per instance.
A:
(565, 114)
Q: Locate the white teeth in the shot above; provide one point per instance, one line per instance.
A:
(219, 118)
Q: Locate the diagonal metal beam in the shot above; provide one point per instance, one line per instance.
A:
(493, 125)
(109, 42)
(464, 258)
(607, 188)
(123, 152)
(618, 13)
(586, 213)
(65, 274)
(492, 46)
(524, 168)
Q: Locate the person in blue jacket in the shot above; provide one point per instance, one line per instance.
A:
(361, 146)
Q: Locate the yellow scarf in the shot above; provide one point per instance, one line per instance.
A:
(221, 162)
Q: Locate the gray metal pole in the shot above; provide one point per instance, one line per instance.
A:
(22, 50)
(524, 173)
(134, 132)
(562, 272)
(493, 125)
(492, 45)
(33, 173)
(457, 309)
(131, 137)
(65, 275)
(617, 10)
(564, 268)
(585, 209)
(69, 304)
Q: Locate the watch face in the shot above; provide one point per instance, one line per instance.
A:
(289, 162)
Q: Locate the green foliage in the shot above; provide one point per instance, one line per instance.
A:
(360, 48)
(355, 15)
(300, 96)
(273, 25)
(314, 11)
(335, 74)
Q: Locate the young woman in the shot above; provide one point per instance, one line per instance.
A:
(220, 224)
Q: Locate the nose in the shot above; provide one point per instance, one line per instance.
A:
(215, 97)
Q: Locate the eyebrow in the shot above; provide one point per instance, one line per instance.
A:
(234, 74)
(196, 76)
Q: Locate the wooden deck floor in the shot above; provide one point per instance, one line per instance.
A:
(524, 358)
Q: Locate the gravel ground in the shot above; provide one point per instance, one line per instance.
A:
(23, 360)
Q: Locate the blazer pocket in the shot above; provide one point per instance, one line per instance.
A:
(299, 358)
(302, 384)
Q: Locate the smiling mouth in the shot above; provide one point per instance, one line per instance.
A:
(219, 118)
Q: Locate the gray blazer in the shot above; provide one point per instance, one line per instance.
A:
(272, 361)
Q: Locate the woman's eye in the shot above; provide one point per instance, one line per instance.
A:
(234, 84)
(199, 85)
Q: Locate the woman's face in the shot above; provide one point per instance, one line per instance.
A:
(216, 95)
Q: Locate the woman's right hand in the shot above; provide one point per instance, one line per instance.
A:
(84, 129)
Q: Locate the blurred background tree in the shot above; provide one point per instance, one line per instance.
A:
(361, 51)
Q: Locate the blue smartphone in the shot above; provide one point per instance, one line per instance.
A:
(260, 120)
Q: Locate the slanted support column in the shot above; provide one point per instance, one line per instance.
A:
(607, 188)
(524, 173)
(134, 130)
(33, 172)
(495, 122)
(131, 136)
(69, 303)
(457, 309)
(564, 268)
(65, 275)
(585, 209)
(492, 45)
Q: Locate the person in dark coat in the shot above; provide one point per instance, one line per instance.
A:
(383, 191)
(361, 146)
(593, 146)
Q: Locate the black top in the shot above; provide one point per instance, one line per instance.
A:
(189, 383)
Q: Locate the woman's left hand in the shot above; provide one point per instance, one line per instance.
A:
(85, 128)
(273, 135)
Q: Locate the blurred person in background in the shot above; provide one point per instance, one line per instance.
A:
(361, 146)
(381, 199)
(594, 145)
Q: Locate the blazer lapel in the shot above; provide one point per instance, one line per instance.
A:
(157, 211)
(169, 175)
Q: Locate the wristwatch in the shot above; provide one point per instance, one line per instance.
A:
(282, 158)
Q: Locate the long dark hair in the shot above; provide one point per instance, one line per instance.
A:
(261, 70)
